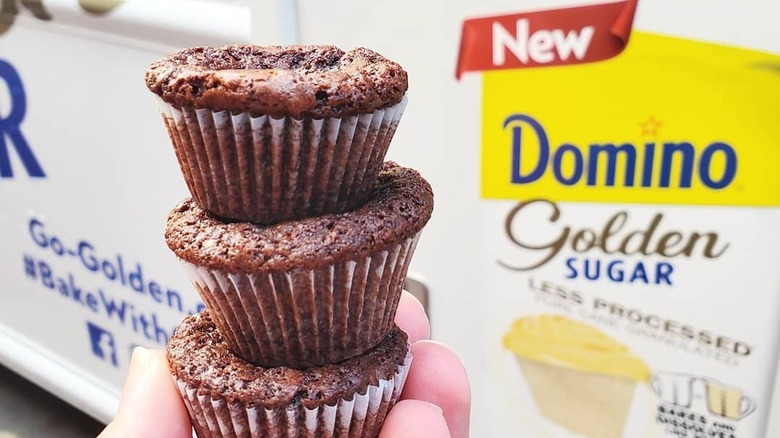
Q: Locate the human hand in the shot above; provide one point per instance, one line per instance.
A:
(435, 403)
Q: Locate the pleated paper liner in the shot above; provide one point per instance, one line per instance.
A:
(266, 170)
(357, 415)
(305, 318)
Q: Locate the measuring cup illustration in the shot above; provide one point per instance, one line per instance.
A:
(728, 402)
(673, 388)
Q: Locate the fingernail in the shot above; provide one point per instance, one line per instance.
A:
(142, 357)
(446, 347)
(439, 410)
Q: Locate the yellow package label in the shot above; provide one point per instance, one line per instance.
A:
(668, 121)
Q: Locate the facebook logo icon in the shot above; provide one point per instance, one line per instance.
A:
(103, 345)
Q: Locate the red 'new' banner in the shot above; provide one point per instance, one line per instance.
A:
(545, 38)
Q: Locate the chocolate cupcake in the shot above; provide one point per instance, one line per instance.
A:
(308, 292)
(267, 134)
(228, 397)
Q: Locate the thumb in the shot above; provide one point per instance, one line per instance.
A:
(150, 404)
(415, 418)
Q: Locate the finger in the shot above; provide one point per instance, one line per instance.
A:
(437, 376)
(412, 319)
(413, 419)
(152, 405)
(139, 361)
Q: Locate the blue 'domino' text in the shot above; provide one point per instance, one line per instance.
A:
(588, 162)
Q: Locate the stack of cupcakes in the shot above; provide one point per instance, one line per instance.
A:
(298, 237)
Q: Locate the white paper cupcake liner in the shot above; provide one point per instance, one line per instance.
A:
(304, 318)
(267, 170)
(359, 416)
